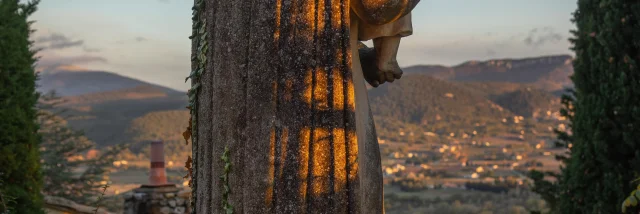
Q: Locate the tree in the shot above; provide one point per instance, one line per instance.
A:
(603, 110)
(66, 172)
(19, 140)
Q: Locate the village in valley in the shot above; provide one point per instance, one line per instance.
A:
(453, 160)
(463, 145)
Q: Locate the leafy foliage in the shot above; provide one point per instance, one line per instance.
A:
(631, 203)
(67, 173)
(604, 110)
(198, 63)
(19, 158)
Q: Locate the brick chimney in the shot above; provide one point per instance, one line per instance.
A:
(157, 173)
(158, 196)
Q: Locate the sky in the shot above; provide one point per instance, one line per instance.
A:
(148, 39)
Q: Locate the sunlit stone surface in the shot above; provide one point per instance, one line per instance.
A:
(283, 90)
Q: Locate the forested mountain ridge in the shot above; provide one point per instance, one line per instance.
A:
(113, 109)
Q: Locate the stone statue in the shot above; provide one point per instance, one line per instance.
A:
(386, 23)
(280, 115)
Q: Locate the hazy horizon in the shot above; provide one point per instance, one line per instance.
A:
(148, 39)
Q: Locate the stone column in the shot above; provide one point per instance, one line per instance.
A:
(158, 196)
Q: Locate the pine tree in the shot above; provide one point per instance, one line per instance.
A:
(605, 109)
(19, 140)
(67, 173)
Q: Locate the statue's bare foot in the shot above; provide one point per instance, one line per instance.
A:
(376, 72)
(389, 68)
(372, 74)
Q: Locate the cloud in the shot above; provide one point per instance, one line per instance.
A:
(538, 37)
(52, 60)
(164, 1)
(491, 52)
(140, 39)
(91, 50)
(57, 41)
(136, 39)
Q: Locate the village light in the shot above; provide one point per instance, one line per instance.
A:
(474, 175)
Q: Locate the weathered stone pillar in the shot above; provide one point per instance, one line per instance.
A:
(274, 107)
(159, 196)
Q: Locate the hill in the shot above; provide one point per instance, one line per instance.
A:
(106, 122)
(104, 104)
(528, 102)
(422, 98)
(520, 99)
(73, 81)
(421, 103)
(113, 109)
(166, 125)
(548, 73)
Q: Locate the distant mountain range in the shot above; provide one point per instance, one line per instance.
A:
(549, 73)
(72, 81)
(113, 109)
(104, 104)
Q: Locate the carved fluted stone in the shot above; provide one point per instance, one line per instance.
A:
(277, 91)
(280, 117)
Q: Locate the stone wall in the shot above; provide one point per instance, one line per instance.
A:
(157, 200)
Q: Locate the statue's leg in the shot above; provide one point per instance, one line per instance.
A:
(386, 41)
(369, 161)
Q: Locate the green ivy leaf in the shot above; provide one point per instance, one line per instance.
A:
(203, 37)
(227, 167)
(194, 88)
(627, 202)
(205, 47)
